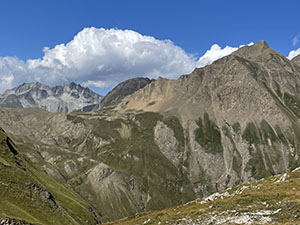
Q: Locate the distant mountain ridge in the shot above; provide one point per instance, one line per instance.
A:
(67, 98)
(119, 92)
(124, 89)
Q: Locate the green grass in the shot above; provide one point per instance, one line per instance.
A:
(256, 165)
(256, 137)
(251, 134)
(151, 103)
(268, 132)
(208, 135)
(74, 118)
(236, 127)
(137, 155)
(27, 193)
(281, 135)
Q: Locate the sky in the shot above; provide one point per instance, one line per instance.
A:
(99, 43)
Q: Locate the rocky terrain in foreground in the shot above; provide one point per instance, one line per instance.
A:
(274, 200)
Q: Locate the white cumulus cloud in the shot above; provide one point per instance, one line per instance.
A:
(12, 71)
(110, 56)
(101, 58)
(98, 84)
(293, 54)
(98, 57)
(216, 52)
(6, 81)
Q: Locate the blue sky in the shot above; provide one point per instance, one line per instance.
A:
(194, 26)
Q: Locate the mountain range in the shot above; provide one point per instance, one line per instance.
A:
(67, 98)
(166, 143)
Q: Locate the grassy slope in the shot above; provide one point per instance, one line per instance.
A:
(153, 172)
(279, 201)
(23, 192)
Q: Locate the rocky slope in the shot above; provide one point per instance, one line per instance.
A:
(119, 92)
(240, 116)
(66, 98)
(234, 121)
(124, 89)
(110, 159)
(29, 196)
(274, 200)
(296, 60)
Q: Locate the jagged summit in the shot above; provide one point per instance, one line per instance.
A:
(125, 88)
(120, 91)
(261, 44)
(67, 98)
(24, 87)
(253, 51)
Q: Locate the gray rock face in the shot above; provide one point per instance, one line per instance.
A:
(124, 89)
(167, 143)
(9, 221)
(68, 98)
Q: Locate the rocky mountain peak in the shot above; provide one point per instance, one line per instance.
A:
(261, 44)
(125, 88)
(67, 98)
(73, 85)
(253, 51)
(219, 86)
(24, 88)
